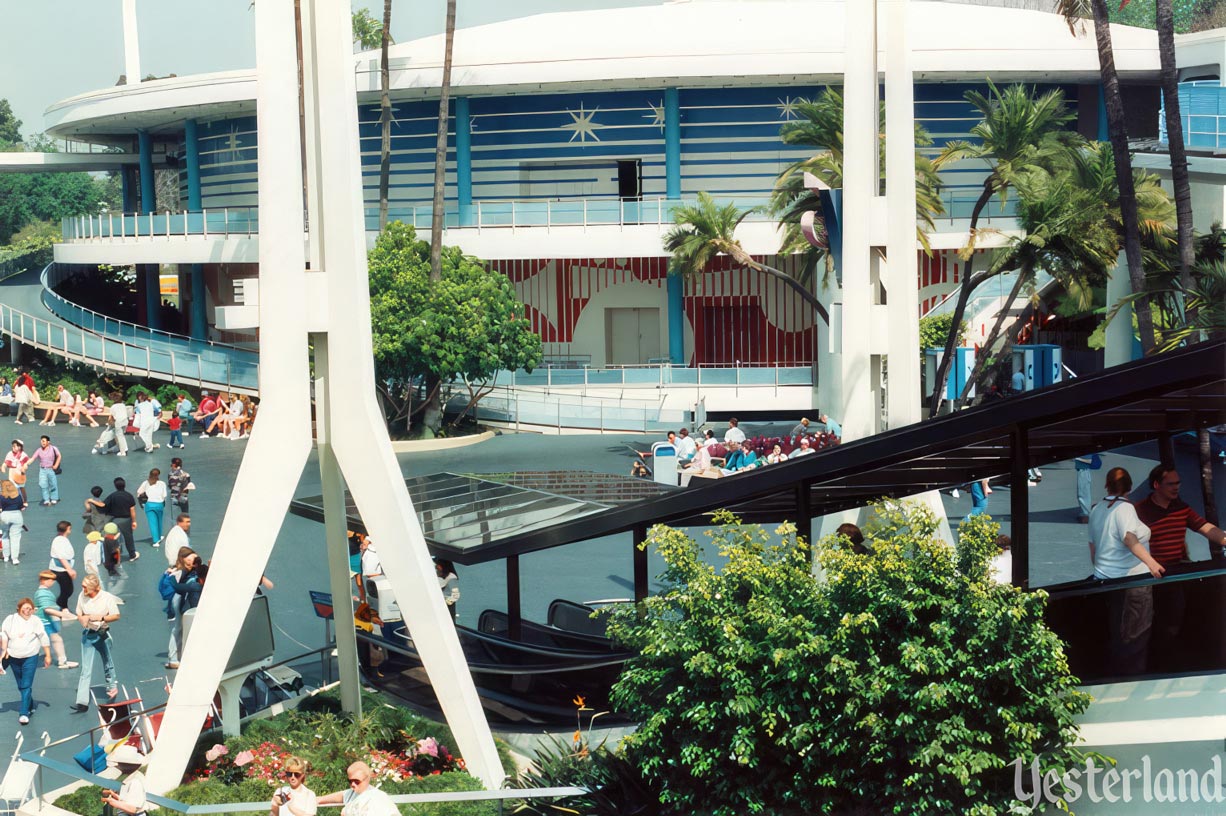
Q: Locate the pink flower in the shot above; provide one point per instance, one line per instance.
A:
(243, 758)
(216, 751)
(428, 746)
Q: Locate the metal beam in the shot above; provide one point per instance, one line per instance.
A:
(1019, 510)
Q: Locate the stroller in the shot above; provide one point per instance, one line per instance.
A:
(106, 441)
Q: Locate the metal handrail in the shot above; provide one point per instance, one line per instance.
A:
(49, 278)
(75, 343)
(223, 222)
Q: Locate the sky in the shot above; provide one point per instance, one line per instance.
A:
(53, 49)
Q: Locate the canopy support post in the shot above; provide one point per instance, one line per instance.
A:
(515, 612)
(1019, 506)
(640, 564)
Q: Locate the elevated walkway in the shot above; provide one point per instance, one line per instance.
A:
(36, 316)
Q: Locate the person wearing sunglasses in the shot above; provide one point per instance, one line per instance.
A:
(294, 796)
(362, 798)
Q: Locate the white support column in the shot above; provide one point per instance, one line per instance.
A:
(131, 43)
(860, 179)
(1119, 331)
(259, 501)
(361, 445)
(902, 284)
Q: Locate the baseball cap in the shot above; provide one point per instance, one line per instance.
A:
(111, 528)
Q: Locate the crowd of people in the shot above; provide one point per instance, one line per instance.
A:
(225, 416)
(84, 579)
(710, 457)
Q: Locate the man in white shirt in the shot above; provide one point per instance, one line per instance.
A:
(362, 799)
(734, 433)
(147, 421)
(119, 418)
(686, 446)
(805, 448)
(371, 565)
(176, 537)
(63, 561)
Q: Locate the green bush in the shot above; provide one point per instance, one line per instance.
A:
(87, 801)
(615, 785)
(131, 392)
(168, 396)
(901, 684)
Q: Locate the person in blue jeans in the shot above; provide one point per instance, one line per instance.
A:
(979, 497)
(21, 637)
(96, 611)
(49, 459)
(153, 492)
(1085, 467)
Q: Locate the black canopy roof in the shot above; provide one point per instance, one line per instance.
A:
(1136, 402)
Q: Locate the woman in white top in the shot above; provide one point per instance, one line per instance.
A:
(154, 491)
(776, 456)
(21, 637)
(294, 796)
(1119, 542)
(1119, 548)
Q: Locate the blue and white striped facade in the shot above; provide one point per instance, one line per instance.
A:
(573, 135)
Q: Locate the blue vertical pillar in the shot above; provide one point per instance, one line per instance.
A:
(147, 199)
(191, 146)
(672, 144)
(463, 161)
(672, 192)
(676, 320)
(128, 187)
(198, 319)
(148, 272)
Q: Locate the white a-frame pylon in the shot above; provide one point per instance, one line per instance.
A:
(325, 305)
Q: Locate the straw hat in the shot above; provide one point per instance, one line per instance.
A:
(126, 755)
(93, 535)
(111, 528)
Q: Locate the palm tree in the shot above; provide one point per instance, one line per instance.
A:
(1019, 132)
(385, 113)
(432, 412)
(1074, 12)
(821, 126)
(1067, 231)
(1174, 133)
(706, 229)
(440, 149)
(367, 31)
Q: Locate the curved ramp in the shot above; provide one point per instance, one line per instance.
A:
(38, 317)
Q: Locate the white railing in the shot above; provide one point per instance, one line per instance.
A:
(167, 364)
(224, 222)
(659, 376)
(53, 275)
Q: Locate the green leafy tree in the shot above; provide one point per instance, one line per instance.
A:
(367, 31)
(1019, 131)
(463, 328)
(25, 199)
(10, 126)
(904, 683)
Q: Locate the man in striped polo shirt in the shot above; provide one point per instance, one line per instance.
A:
(1168, 518)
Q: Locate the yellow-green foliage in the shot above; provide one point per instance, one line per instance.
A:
(901, 684)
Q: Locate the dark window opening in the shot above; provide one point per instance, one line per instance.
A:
(630, 179)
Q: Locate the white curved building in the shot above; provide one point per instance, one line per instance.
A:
(574, 135)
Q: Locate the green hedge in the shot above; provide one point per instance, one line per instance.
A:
(330, 741)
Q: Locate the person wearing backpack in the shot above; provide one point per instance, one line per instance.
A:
(184, 580)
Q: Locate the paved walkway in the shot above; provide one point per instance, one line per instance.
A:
(595, 569)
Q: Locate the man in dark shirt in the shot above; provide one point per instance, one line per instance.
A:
(121, 506)
(1168, 519)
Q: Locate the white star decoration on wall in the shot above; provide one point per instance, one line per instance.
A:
(581, 124)
(657, 114)
(787, 108)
